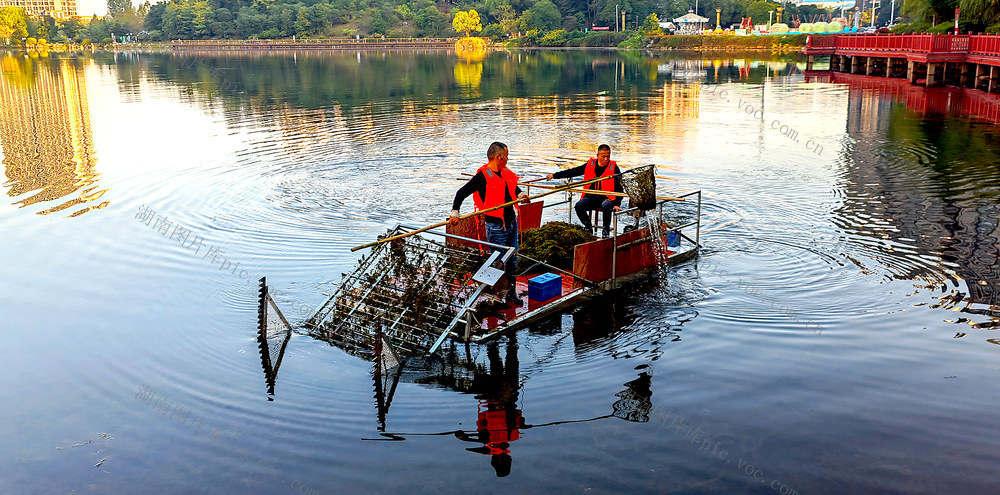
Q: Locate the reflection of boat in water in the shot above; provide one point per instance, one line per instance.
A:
(418, 287)
(410, 296)
(491, 374)
(497, 386)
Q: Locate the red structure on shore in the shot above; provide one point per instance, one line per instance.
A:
(971, 61)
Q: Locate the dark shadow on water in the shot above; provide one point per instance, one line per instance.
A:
(496, 385)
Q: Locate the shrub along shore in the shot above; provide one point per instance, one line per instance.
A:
(710, 43)
(773, 43)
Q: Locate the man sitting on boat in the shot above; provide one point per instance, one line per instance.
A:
(493, 185)
(601, 166)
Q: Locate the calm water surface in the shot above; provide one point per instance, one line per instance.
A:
(838, 333)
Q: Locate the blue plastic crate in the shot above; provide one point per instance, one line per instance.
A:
(545, 287)
(673, 239)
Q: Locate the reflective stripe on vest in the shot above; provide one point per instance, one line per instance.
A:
(605, 185)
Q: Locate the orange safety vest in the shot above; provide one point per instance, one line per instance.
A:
(495, 185)
(604, 185)
(500, 429)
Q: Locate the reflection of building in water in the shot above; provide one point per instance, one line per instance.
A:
(60, 9)
(46, 134)
(927, 183)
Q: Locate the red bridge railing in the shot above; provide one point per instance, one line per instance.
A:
(987, 44)
(918, 43)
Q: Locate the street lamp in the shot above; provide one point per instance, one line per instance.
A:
(616, 17)
(769, 14)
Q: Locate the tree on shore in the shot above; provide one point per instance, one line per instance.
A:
(13, 23)
(118, 7)
(543, 16)
(467, 22)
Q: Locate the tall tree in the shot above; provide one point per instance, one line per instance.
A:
(543, 16)
(71, 29)
(467, 22)
(13, 23)
(118, 7)
(760, 10)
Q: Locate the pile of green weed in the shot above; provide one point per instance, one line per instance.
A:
(553, 243)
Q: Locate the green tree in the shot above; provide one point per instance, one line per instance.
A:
(553, 38)
(494, 32)
(13, 23)
(118, 7)
(673, 9)
(249, 22)
(507, 19)
(154, 18)
(224, 27)
(178, 22)
(71, 29)
(927, 10)
(431, 21)
(543, 16)
(98, 29)
(404, 12)
(202, 19)
(759, 11)
(651, 25)
(467, 22)
(303, 27)
(378, 24)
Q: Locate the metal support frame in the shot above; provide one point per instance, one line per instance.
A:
(468, 303)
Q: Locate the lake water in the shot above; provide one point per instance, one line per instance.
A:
(838, 333)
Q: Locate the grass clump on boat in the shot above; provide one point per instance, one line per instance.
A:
(553, 243)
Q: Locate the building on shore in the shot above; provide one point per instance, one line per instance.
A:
(60, 9)
(691, 23)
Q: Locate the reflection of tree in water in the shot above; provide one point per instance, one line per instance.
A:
(469, 75)
(316, 80)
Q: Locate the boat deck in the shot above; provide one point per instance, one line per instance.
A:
(511, 316)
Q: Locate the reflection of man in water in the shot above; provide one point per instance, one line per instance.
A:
(500, 420)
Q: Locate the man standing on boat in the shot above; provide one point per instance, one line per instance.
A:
(493, 185)
(601, 166)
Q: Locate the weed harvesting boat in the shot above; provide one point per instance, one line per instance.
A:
(419, 287)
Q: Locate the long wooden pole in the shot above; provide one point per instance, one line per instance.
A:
(604, 193)
(480, 212)
(543, 178)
